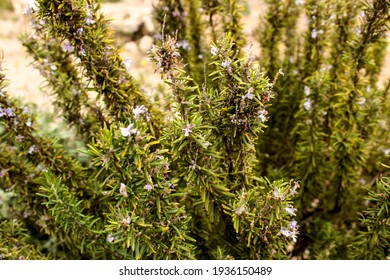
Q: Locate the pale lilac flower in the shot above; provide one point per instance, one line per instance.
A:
(110, 238)
(262, 115)
(307, 90)
(32, 149)
(126, 221)
(148, 187)
(307, 104)
(19, 138)
(28, 123)
(280, 72)
(123, 190)
(82, 51)
(288, 233)
(291, 230)
(225, 64)
(214, 50)
(28, 11)
(176, 14)
(187, 130)
(315, 33)
(300, 2)
(121, 79)
(294, 225)
(79, 31)
(26, 213)
(9, 112)
(129, 130)
(183, 44)
(89, 21)
(249, 94)
(158, 36)
(291, 210)
(67, 47)
(139, 110)
(127, 64)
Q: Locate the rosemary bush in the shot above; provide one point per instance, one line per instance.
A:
(244, 160)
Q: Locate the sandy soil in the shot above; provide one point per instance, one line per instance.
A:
(25, 81)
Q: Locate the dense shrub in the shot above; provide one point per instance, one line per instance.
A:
(274, 156)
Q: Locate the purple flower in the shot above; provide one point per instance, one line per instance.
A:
(214, 50)
(127, 64)
(32, 149)
(9, 112)
(67, 47)
(110, 238)
(183, 44)
(225, 64)
(28, 123)
(249, 94)
(187, 130)
(291, 230)
(307, 104)
(123, 190)
(89, 21)
(291, 210)
(82, 51)
(139, 110)
(79, 31)
(262, 115)
(148, 187)
(307, 90)
(129, 130)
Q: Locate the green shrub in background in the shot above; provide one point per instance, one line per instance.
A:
(6, 5)
(245, 161)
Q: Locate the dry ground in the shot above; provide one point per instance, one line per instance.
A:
(25, 81)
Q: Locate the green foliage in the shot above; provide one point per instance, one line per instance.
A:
(245, 162)
(372, 241)
(326, 112)
(6, 5)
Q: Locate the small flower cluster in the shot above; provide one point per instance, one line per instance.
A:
(249, 95)
(291, 230)
(90, 16)
(67, 46)
(129, 130)
(123, 190)
(141, 110)
(9, 112)
(187, 130)
(307, 104)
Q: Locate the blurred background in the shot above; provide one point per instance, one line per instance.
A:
(134, 31)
